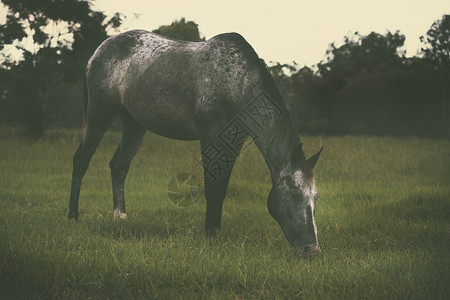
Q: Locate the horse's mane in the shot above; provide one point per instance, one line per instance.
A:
(287, 141)
(283, 135)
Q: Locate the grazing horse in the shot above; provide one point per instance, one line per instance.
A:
(217, 91)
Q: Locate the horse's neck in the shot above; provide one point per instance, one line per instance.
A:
(276, 136)
(278, 142)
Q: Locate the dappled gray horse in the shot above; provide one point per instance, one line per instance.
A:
(218, 92)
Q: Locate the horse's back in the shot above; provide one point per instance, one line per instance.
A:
(111, 62)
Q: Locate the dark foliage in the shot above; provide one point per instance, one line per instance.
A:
(368, 86)
(32, 94)
(181, 30)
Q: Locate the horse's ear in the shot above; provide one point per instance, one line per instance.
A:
(313, 159)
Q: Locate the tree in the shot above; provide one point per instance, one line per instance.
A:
(181, 30)
(437, 52)
(437, 43)
(47, 32)
(349, 65)
(31, 21)
(360, 54)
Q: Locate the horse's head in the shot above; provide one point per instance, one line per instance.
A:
(292, 201)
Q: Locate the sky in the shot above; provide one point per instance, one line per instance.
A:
(285, 30)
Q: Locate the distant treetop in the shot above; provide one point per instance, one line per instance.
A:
(181, 30)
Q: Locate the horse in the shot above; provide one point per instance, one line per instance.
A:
(217, 91)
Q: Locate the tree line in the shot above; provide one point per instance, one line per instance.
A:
(365, 86)
(368, 86)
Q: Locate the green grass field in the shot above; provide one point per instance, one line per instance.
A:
(383, 224)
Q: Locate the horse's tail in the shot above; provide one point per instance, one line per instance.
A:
(85, 100)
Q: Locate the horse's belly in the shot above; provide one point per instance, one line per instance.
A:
(165, 118)
(161, 97)
(172, 130)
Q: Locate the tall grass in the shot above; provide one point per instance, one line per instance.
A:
(383, 224)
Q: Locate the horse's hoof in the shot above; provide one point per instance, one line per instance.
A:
(72, 216)
(211, 232)
(71, 221)
(119, 215)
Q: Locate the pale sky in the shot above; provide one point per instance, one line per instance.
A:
(287, 30)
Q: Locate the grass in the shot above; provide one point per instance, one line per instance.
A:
(383, 224)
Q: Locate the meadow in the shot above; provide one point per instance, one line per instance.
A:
(383, 222)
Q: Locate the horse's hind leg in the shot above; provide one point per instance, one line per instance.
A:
(131, 140)
(97, 124)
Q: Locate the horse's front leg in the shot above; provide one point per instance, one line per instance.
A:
(215, 192)
(219, 153)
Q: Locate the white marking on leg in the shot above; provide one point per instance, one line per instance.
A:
(120, 215)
